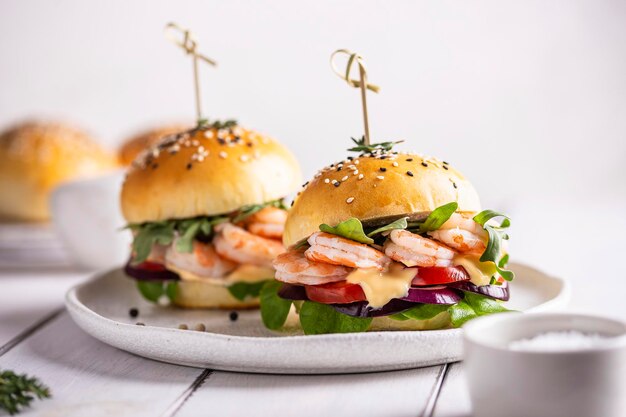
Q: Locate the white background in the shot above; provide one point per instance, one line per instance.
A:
(527, 98)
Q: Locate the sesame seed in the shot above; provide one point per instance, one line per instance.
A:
(326, 181)
(360, 176)
(195, 142)
(189, 165)
(243, 158)
(350, 158)
(409, 173)
(356, 162)
(445, 167)
(424, 164)
(344, 178)
(350, 200)
(445, 163)
(223, 155)
(395, 164)
(249, 144)
(336, 184)
(454, 184)
(409, 159)
(339, 169)
(305, 184)
(380, 177)
(355, 172)
(208, 134)
(383, 169)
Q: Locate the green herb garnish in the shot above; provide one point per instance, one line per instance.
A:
(438, 217)
(398, 224)
(243, 290)
(247, 211)
(350, 229)
(18, 391)
(217, 124)
(362, 147)
(494, 247)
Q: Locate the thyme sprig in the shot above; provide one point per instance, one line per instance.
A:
(18, 391)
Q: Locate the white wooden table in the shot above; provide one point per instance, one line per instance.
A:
(89, 378)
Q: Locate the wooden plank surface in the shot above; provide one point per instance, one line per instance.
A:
(89, 378)
(453, 399)
(399, 393)
(27, 298)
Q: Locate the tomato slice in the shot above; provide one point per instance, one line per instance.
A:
(335, 293)
(150, 266)
(439, 275)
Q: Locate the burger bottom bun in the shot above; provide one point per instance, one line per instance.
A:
(197, 294)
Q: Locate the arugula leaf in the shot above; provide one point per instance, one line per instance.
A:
(316, 318)
(350, 229)
(243, 290)
(153, 290)
(398, 224)
(438, 217)
(247, 211)
(483, 305)
(424, 311)
(460, 313)
(149, 234)
(190, 228)
(496, 235)
(274, 309)
(362, 147)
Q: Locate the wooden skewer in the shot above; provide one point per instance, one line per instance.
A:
(361, 83)
(189, 45)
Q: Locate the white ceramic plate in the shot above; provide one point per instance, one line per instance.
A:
(101, 308)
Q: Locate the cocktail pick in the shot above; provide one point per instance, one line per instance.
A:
(189, 45)
(360, 83)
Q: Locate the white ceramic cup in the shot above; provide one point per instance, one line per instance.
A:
(513, 383)
(86, 214)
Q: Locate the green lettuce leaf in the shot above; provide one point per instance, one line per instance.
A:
(424, 311)
(316, 318)
(243, 290)
(350, 229)
(274, 309)
(189, 229)
(483, 305)
(150, 234)
(460, 313)
(153, 290)
(398, 224)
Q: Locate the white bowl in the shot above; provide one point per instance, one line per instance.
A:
(86, 214)
(571, 383)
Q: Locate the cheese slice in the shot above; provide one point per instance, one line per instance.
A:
(380, 287)
(480, 272)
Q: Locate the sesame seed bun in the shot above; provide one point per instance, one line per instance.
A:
(37, 156)
(197, 294)
(207, 172)
(136, 144)
(386, 185)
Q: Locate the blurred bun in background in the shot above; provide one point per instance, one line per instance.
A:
(35, 157)
(133, 146)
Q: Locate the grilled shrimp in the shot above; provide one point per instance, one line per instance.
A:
(268, 222)
(203, 261)
(413, 250)
(234, 243)
(293, 267)
(336, 250)
(461, 233)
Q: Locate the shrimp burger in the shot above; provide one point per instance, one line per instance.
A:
(206, 210)
(388, 241)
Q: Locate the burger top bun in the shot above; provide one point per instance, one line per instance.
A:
(35, 157)
(136, 144)
(207, 171)
(377, 185)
